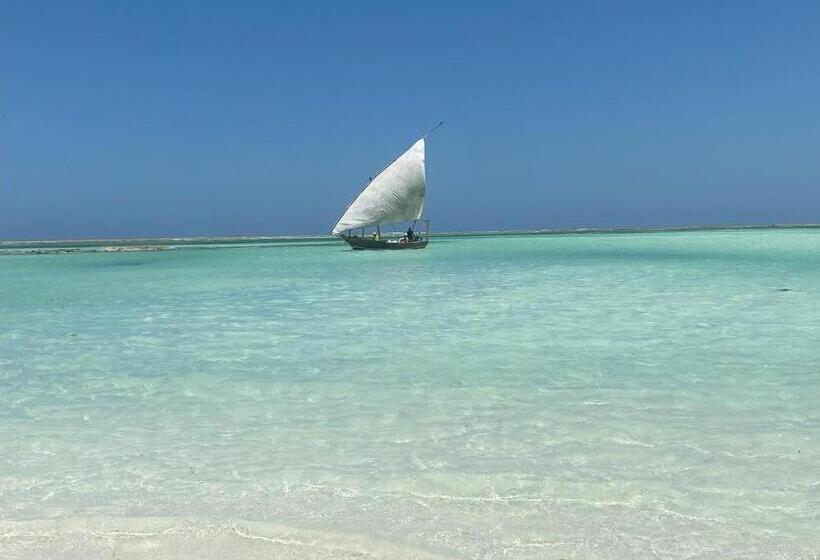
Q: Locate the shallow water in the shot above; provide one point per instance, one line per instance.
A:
(579, 396)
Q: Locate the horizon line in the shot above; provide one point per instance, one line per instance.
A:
(474, 233)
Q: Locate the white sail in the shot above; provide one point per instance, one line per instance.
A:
(394, 195)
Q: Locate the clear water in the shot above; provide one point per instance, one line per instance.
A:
(580, 396)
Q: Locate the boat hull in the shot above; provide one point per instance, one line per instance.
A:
(365, 243)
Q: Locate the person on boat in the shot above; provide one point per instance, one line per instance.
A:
(377, 236)
(410, 234)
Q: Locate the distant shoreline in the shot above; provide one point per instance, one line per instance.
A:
(147, 244)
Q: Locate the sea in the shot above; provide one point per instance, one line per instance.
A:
(563, 396)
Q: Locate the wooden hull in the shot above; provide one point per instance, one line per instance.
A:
(363, 243)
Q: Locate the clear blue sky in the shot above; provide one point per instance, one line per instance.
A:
(230, 118)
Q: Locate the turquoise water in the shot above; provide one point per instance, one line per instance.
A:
(581, 396)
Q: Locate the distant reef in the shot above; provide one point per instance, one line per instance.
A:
(134, 248)
(70, 250)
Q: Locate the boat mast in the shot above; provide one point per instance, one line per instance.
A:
(427, 221)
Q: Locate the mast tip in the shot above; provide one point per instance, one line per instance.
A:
(432, 130)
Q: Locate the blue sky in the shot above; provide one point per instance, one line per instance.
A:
(233, 118)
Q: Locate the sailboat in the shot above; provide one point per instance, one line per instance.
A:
(395, 195)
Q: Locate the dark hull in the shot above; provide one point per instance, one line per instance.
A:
(362, 243)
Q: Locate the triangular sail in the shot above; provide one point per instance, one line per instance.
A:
(394, 195)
